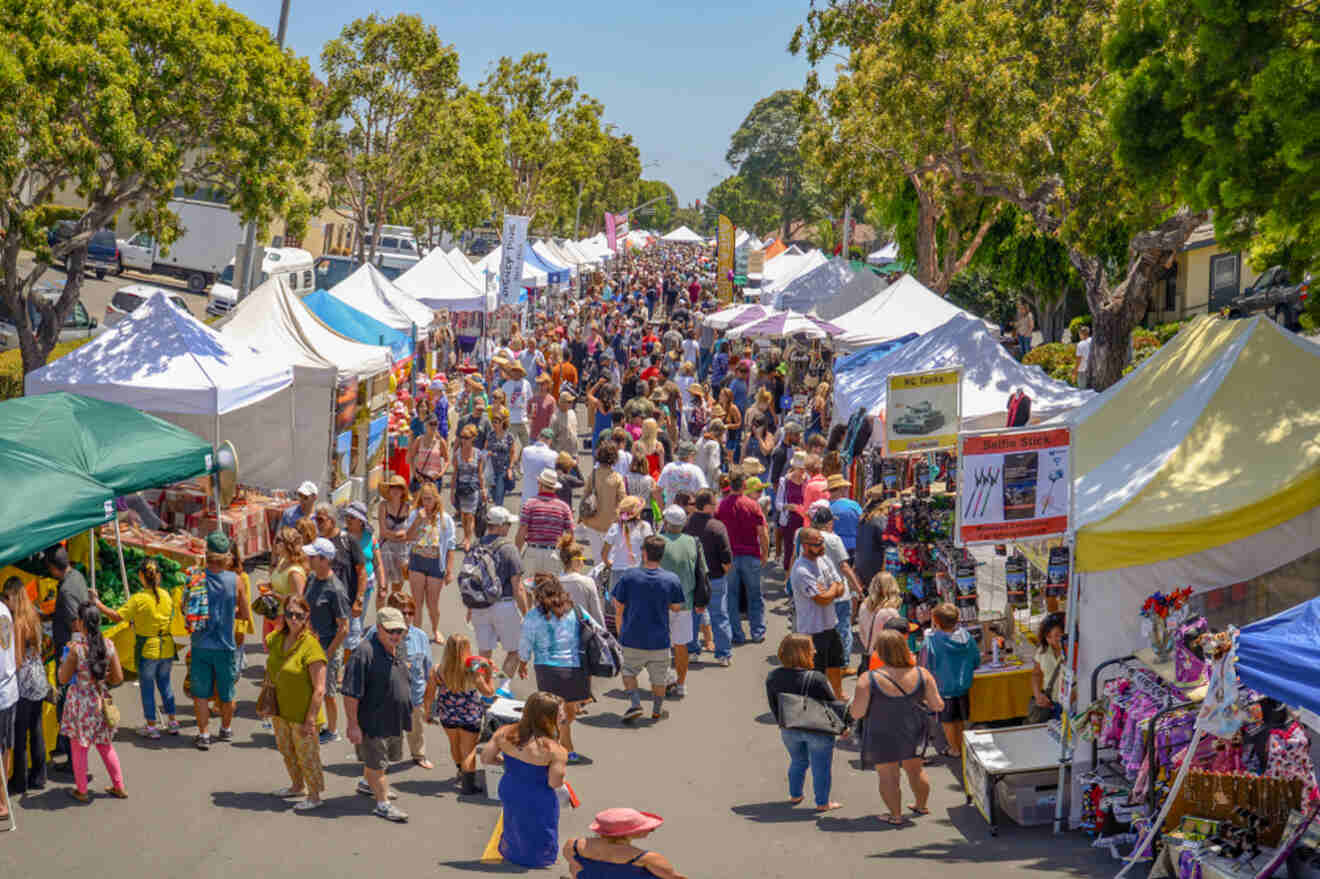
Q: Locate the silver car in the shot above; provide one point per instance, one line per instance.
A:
(78, 325)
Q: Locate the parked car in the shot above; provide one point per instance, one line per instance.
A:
(102, 250)
(481, 246)
(78, 325)
(127, 299)
(920, 418)
(293, 264)
(330, 270)
(1276, 295)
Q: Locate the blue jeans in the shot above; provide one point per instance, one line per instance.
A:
(843, 610)
(718, 612)
(809, 749)
(153, 675)
(746, 570)
(497, 490)
(1024, 346)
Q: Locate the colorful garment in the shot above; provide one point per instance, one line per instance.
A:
(1290, 757)
(454, 710)
(83, 721)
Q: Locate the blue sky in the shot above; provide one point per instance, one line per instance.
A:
(679, 77)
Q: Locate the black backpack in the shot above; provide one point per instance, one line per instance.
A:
(598, 651)
(479, 579)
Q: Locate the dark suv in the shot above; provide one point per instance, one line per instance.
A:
(1274, 294)
(102, 250)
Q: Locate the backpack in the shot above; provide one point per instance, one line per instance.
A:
(479, 579)
(196, 602)
(598, 651)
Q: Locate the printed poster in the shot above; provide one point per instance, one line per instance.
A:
(343, 458)
(724, 265)
(1013, 485)
(922, 411)
(512, 243)
(1056, 574)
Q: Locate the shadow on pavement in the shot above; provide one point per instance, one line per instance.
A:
(476, 866)
(776, 812)
(256, 801)
(767, 718)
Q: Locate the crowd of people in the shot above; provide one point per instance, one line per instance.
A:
(711, 462)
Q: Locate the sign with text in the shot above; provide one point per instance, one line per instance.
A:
(1013, 485)
(512, 243)
(922, 411)
(724, 266)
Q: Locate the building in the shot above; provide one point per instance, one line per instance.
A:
(1203, 278)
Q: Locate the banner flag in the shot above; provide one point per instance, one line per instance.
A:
(512, 243)
(724, 270)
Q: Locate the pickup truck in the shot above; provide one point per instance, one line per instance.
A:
(102, 251)
(1274, 294)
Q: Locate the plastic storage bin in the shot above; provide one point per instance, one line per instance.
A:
(1029, 799)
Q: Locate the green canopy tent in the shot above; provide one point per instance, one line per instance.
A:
(121, 447)
(44, 502)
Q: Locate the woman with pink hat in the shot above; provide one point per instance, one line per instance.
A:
(612, 855)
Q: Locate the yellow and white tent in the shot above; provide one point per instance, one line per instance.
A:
(1201, 468)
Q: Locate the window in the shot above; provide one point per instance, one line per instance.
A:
(389, 243)
(1171, 288)
(142, 239)
(307, 279)
(293, 281)
(1223, 280)
(125, 302)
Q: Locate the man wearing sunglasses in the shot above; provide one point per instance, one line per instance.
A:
(816, 583)
(330, 609)
(378, 707)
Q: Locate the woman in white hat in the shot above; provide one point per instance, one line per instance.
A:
(788, 501)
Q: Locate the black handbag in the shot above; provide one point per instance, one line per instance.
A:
(798, 711)
(1037, 714)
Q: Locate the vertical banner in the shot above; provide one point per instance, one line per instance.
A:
(511, 257)
(724, 266)
(610, 234)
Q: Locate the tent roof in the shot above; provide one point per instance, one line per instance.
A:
(120, 447)
(813, 287)
(160, 359)
(274, 320)
(465, 269)
(436, 282)
(532, 275)
(375, 295)
(683, 235)
(781, 270)
(990, 374)
(556, 274)
(774, 249)
(1211, 440)
(861, 288)
(43, 503)
(555, 254)
(1279, 656)
(888, 253)
(348, 321)
(906, 306)
(784, 323)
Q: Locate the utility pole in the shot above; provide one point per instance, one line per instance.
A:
(847, 221)
(250, 233)
(577, 217)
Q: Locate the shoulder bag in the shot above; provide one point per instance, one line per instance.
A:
(1037, 714)
(588, 506)
(798, 711)
(109, 710)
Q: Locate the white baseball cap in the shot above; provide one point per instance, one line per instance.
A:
(308, 489)
(675, 515)
(499, 516)
(319, 547)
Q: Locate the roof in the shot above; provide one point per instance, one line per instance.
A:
(373, 294)
(906, 306)
(1202, 236)
(437, 281)
(815, 286)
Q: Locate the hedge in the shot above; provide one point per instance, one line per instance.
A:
(11, 366)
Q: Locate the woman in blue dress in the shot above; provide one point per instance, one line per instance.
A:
(535, 765)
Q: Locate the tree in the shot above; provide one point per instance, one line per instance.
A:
(1008, 103)
(381, 132)
(659, 216)
(120, 102)
(614, 182)
(765, 151)
(733, 197)
(1221, 102)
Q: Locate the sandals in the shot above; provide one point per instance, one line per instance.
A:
(918, 811)
(117, 792)
(829, 807)
(894, 820)
(423, 762)
(80, 796)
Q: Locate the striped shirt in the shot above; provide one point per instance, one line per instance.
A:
(546, 518)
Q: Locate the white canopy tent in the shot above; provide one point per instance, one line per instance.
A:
(376, 296)
(814, 287)
(990, 375)
(786, 268)
(906, 306)
(465, 268)
(863, 287)
(557, 253)
(552, 259)
(683, 235)
(531, 276)
(596, 246)
(435, 282)
(274, 321)
(578, 252)
(885, 255)
(165, 362)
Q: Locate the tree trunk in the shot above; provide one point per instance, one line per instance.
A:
(1051, 315)
(927, 247)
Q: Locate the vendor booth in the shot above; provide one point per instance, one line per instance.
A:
(166, 362)
(906, 306)
(375, 295)
(437, 283)
(861, 288)
(784, 269)
(682, 235)
(353, 324)
(815, 287)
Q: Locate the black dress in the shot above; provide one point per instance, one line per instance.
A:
(895, 725)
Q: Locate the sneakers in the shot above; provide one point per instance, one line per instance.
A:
(327, 736)
(150, 731)
(390, 812)
(202, 743)
(307, 805)
(366, 791)
(225, 735)
(173, 728)
(724, 661)
(676, 691)
(285, 792)
(632, 714)
(662, 714)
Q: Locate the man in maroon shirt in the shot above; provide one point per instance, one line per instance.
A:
(749, 539)
(542, 406)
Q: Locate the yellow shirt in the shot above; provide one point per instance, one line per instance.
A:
(279, 579)
(243, 627)
(293, 683)
(149, 612)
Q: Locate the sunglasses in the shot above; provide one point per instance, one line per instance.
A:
(395, 632)
(295, 617)
(813, 543)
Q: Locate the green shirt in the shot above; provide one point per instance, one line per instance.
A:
(681, 558)
(293, 682)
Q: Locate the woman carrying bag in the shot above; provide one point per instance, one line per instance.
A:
(1046, 670)
(802, 697)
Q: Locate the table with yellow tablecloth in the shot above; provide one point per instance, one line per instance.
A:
(1000, 694)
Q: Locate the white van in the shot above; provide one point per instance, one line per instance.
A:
(293, 264)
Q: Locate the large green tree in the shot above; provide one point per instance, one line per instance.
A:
(660, 215)
(383, 134)
(736, 199)
(120, 101)
(766, 153)
(1221, 101)
(1008, 101)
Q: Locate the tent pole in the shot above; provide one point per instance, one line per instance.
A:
(1072, 621)
(119, 545)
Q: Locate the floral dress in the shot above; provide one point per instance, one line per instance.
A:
(83, 721)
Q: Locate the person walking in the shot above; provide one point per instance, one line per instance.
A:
(416, 652)
(952, 657)
(296, 670)
(789, 496)
(1024, 325)
(612, 854)
(431, 564)
(502, 451)
(289, 574)
(428, 454)
(847, 514)
(622, 549)
(502, 622)
(822, 518)
(816, 584)
(685, 559)
(469, 486)
(212, 668)
(542, 408)
(681, 474)
(328, 616)
(550, 643)
(643, 598)
(394, 514)
(541, 522)
(150, 611)
(518, 396)
(378, 705)
(357, 527)
(454, 698)
(806, 749)
(9, 697)
(718, 554)
(71, 592)
(90, 667)
(536, 458)
(749, 540)
(579, 586)
(607, 488)
(564, 423)
(894, 700)
(28, 743)
(535, 767)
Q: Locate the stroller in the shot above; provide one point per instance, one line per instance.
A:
(600, 574)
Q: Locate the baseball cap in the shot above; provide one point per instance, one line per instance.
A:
(391, 620)
(218, 542)
(308, 489)
(675, 515)
(901, 624)
(686, 448)
(546, 434)
(322, 547)
(821, 513)
(753, 484)
(499, 516)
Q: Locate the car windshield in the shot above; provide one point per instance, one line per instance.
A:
(330, 272)
(126, 302)
(227, 276)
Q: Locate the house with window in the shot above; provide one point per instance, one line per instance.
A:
(1203, 278)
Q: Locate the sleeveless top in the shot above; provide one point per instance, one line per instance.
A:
(397, 523)
(895, 726)
(594, 869)
(793, 494)
(279, 579)
(467, 474)
(429, 458)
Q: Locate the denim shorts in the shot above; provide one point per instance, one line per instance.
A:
(213, 670)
